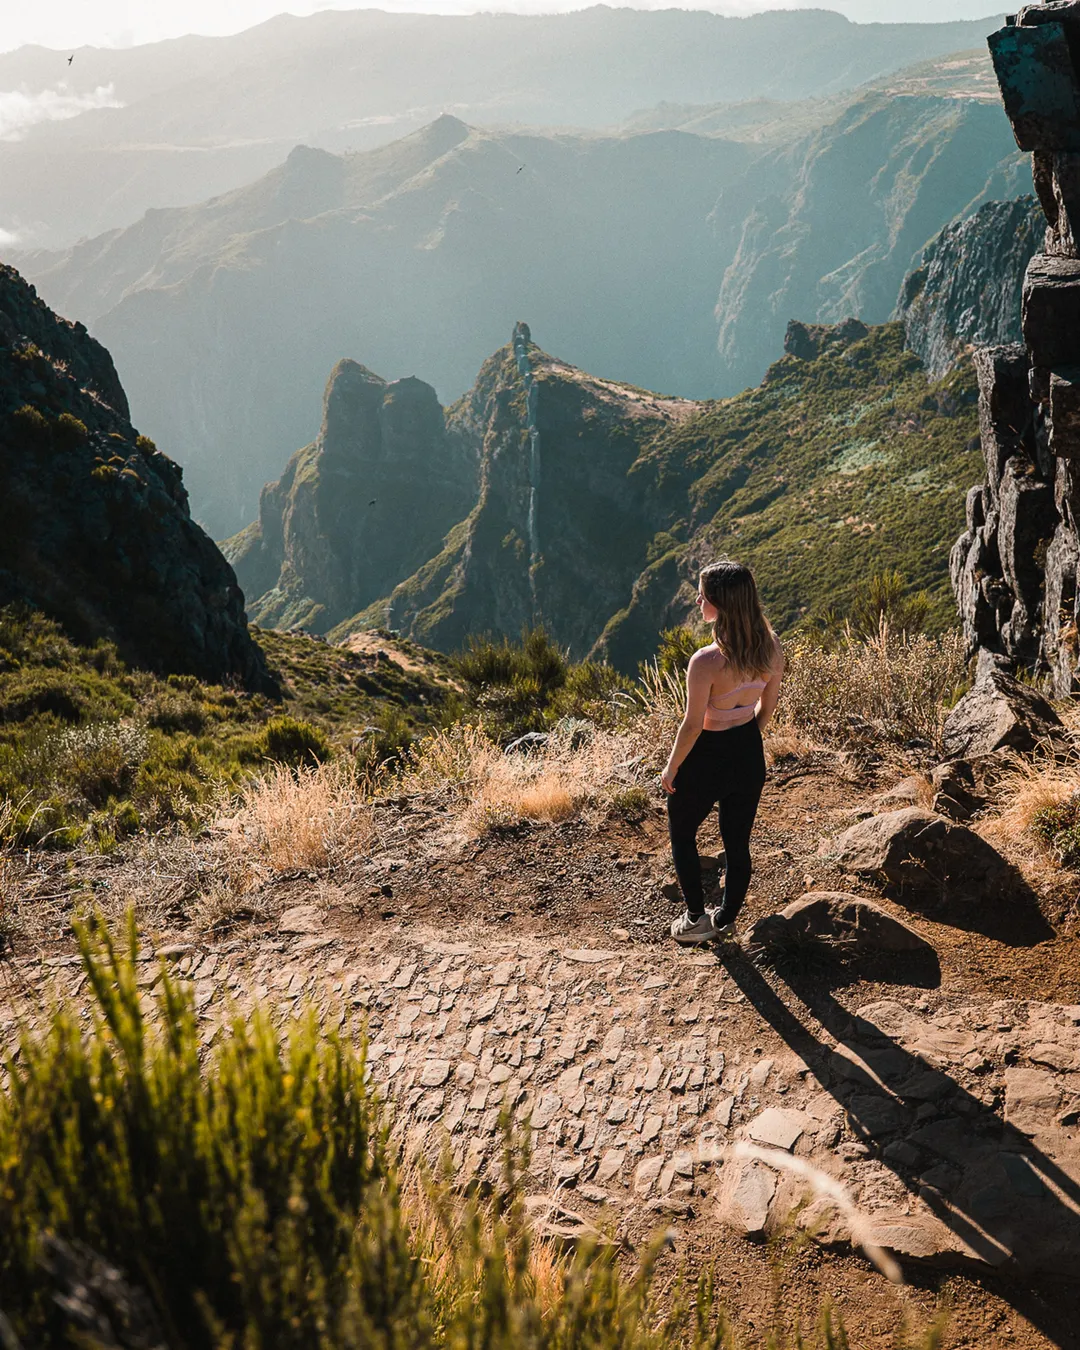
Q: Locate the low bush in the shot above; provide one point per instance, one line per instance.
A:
(1058, 827)
(518, 687)
(288, 741)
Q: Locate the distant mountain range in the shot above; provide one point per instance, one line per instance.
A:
(174, 122)
(638, 253)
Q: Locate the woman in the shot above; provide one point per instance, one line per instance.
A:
(718, 758)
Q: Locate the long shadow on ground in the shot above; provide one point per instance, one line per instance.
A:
(1014, 1206)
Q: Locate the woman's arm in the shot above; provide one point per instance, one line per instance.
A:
(698, 687)
(771, 693)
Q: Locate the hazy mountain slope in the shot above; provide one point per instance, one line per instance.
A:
(604, 239)
(597, 500)
(830, 226)
(967, 287)
(202, 115)
(94, 522)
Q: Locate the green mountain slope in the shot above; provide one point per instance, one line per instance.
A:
(598, 501)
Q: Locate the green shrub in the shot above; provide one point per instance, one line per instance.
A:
(31, 425)
(528, 685)
(1058, 827)
(69, 432)
(630, 804)
(288, 741)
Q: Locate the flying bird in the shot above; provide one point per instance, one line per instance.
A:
(373, 501)
(519, 170)
(71, 58)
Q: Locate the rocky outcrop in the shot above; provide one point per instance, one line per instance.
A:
(998, 713)
(94, 521)
(1015, 568)
(919, 854)
(548, 495)
(362, 507)
(559, 530)
(858, 925)
(966, 288)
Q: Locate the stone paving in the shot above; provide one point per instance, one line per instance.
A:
(640, 1068)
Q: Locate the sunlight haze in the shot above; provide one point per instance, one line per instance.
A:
(69, 24)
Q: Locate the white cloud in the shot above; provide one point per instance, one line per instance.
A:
(8, 238)
(20, 110)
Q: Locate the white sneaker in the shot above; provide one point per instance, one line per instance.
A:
(721, 931)
(690, 932)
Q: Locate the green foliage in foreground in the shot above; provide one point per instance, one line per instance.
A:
(516, 687)
(91, 749)
(254, 1201)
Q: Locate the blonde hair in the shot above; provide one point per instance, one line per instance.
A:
(741, 630)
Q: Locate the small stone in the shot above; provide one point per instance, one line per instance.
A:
(435, 1073)
(567, 1169)
(779, 1128)
(613, 1043)
(759, 1074)
(503, 972)
(748, 1194)
(618, 1111)
(646, 1174)
(300, 919)
(723, 1111)
(610, 1165)
(651, 1128)
(499, 1073)
(404, 977)
(487, 1005)
(654, 1074)
(589, 956)
(690, 1013)
(621, 934)
(545, 1110)
(464, 1074)
(569, 1080)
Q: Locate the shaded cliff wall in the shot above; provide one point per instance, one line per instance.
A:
(362, 507)
(1015, 567)
(94, 521)
(966, 289)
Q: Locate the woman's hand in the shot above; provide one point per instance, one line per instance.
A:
(667, 780)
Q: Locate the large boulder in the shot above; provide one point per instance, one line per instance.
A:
(917, 849)
(998, 712)
(835, 917)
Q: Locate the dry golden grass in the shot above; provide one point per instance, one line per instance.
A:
(300, 818)
(491, 788)
(1029, 787)
(892, 686)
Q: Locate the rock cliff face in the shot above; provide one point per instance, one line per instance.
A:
(94, 522)
(597, 501)
(366, 504)
(966, 289)
(1015, 567)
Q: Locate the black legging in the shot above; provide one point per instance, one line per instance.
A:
(724, 769)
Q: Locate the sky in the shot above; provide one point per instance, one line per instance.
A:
(120, 23)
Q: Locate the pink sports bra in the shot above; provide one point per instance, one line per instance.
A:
(723, 719)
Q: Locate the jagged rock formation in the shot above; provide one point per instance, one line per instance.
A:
(364, 505)
(596, 502)
(966, 289)
(559, 530)
(94, 522)
(1015, 568)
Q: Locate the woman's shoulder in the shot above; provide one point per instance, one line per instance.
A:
(710, 657)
